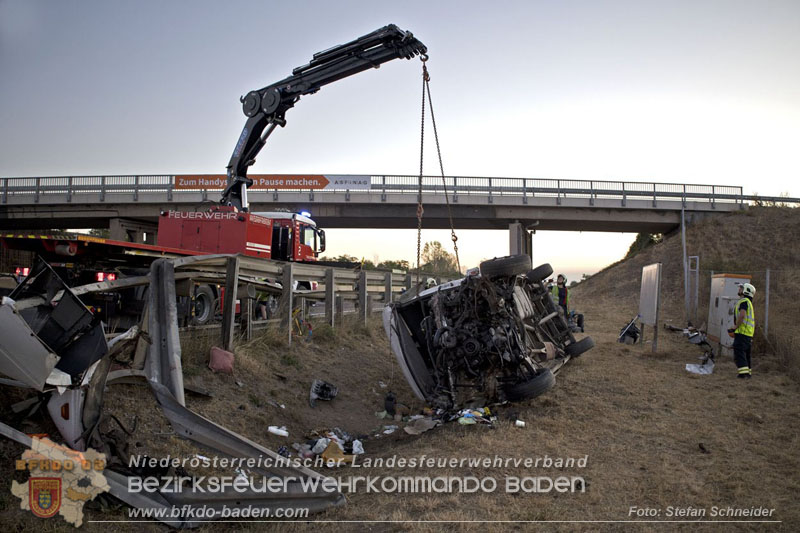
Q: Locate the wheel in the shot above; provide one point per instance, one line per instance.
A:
(577, 348)
(506, 266)
(204, 305)
(541, 383)
(539, 273)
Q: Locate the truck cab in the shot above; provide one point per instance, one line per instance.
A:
(224, 230)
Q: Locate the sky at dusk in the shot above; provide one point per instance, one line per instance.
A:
(685, 92)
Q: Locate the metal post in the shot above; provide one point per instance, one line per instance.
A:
(713, 194)
(285, 307)
(229, 306)
(330, 295)
(387, 288)
(683, 200)
(654, 195)
(339, 307)
(766, 306)
(362, 295)
(558, 192)
(694, 284)
(685, 265)
(623, 194)
(524, 190)
(491, 200)
(455, 194)
(69, 189)
(5, 190)
(383, 192)
(248, 319)
(408, 281)
(136, 188)
(38, 187)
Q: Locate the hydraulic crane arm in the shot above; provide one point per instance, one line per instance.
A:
(266, 108)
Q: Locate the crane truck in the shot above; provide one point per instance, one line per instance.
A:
(229, 227)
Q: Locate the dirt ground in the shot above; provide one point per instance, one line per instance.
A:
(653, 436)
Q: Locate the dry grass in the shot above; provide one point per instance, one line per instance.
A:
(639, 416)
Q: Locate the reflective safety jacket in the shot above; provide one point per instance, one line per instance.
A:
(748, 326)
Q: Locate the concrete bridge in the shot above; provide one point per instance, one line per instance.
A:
(131, 205)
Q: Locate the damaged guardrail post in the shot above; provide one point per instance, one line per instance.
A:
(229, 306)
(164, 356)
(285, 307)
(362, 295)
(330, 296)
(339, 307)
(387, 288)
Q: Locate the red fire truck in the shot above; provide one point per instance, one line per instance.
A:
(229, 227)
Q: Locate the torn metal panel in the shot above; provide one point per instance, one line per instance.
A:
(84, 351)
(23, 356)
(56, 323)
(163, 364)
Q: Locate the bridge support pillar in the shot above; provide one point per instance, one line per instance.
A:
(129, 230)
(520, 241)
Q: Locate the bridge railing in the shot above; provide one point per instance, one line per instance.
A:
(111, 188)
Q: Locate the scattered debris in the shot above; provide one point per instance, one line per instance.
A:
(519, 423)
(421, 425)
(280, 431)
(389, 403)
(698, 338)
(358, 447)
(630, 333)
(321, 390)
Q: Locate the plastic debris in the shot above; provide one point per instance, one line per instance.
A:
(320, 445)
(358, 447)
(388, 430)
(520, 423)
(702, 369)
(321, 390)
(280, 431)
(467, 420)
(421, 425)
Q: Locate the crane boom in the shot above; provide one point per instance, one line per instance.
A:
(266, 107)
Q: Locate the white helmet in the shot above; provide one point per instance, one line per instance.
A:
(748, 290)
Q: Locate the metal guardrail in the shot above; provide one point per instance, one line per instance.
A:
(111, 188)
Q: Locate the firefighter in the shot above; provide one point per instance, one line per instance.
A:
(560, 294)
(743, 330)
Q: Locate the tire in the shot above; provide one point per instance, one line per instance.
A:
(577, 348)
(541, 383)
(508, 266)
(539, 273)
(204, 305)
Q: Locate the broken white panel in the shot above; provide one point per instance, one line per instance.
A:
(65, 409)
(22, 355)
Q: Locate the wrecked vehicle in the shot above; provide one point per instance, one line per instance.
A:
(493, 336)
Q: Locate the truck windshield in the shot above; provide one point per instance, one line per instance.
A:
(308, 236)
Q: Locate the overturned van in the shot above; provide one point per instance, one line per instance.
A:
(493, 336)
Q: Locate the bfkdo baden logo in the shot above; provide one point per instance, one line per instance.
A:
(44, 496)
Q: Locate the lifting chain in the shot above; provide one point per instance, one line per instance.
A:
(426, 91)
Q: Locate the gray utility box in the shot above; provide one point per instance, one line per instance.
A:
(724, 295)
